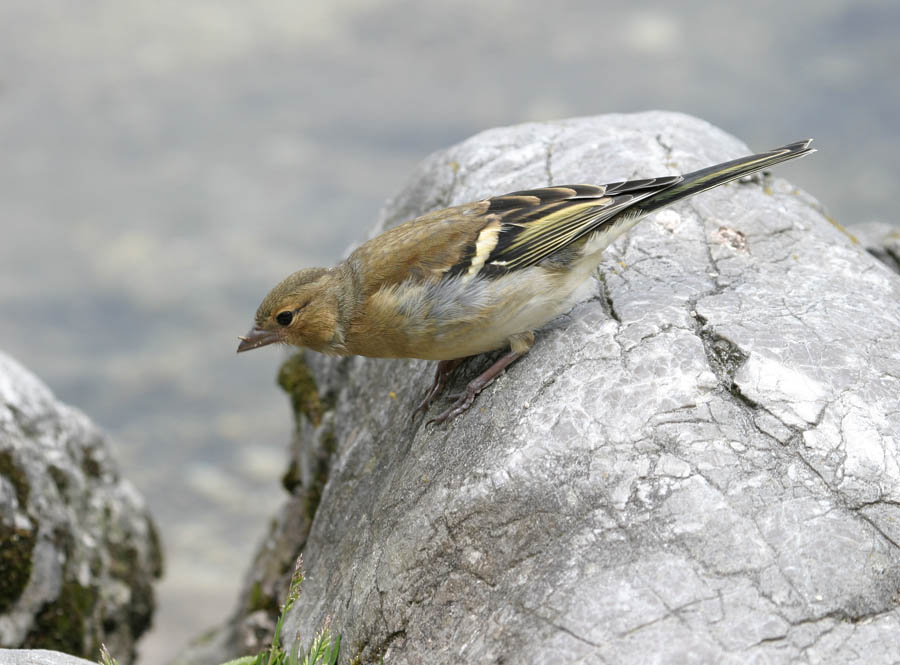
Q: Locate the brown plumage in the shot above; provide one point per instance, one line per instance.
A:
(473, 278)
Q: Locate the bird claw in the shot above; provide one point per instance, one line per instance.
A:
(441, 377)
(430, 396)
(461, 403)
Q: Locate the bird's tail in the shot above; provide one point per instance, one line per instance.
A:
(713, 176)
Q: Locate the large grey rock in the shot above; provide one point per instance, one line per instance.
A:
(40, 657)
(78, 550)
(698, 463)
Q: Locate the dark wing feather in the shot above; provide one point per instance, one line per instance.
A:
(536, 223)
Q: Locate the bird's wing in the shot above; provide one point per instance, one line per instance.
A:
(495, 236)
(532, 225)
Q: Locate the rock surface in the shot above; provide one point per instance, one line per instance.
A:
(698, 463)
(78, 550)
(40, 657)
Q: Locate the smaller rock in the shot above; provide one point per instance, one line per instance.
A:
(39, 657)
(78, 550)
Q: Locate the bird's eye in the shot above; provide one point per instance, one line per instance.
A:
(284, 318)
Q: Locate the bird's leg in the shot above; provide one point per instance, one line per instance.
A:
(441, 376)
(464, 399)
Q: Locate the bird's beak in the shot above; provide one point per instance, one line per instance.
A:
(256, 338)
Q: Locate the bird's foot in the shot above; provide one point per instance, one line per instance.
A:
(441, 377)
(463, 400)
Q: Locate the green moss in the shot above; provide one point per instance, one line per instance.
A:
(123, 566)
(61, 625)
(95, 564)
(64, 540)
(291, 478)
(16, 560)
(60, 479)
(157, 561)
(16, 544)
(90, 465)
(313, 494)
(16, 476)
(123, 560)
(141, 607)
(297, 380)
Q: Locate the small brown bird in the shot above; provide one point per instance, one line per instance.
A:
(475, 277)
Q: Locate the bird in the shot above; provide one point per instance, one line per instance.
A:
(473, 278)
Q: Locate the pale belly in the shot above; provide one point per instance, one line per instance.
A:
(458, 318)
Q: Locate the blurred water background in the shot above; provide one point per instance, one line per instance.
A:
(162, 164)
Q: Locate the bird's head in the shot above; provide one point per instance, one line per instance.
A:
(302, 310)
